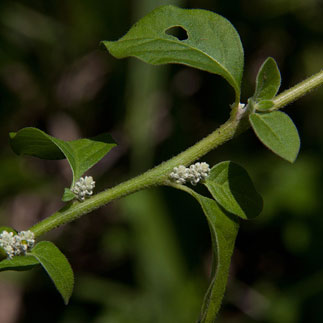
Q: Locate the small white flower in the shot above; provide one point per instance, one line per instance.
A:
(7, 242)
(179, 174)
(9, 251)
(194, 174)
(198, 172)
(241, 111)
(241, 105)
(26, 239)
(16, 244)
(84, 187)
(6, 237)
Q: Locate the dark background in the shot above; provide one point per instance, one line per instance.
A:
(146, 258)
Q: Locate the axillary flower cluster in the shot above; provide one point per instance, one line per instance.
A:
(193, 174)
(84, 187)
(16, 244)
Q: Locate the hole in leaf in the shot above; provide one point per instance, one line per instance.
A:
(179, 32)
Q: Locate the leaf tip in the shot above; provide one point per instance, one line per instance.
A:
(12, 135)
(292, 159)
(66, 299)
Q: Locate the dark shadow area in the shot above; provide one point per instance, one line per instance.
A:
(244, 191)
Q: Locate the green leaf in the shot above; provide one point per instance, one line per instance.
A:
(56, 266)
(224, 230)
(277, 131)
(8, 229)
(212, 43)
(19, 263)
(68, 195)
(268, 80)
(81, 154)
(231, 186)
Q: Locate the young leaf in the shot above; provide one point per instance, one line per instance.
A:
(81, 154)
(224, 231)
(264, 105)
(68, 195)
(268, 80)
(212, 43)
(231, 186)
(56, 266)
(18, 263)
(277, 131)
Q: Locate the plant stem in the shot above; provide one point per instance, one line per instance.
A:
(298, 90)
(237, 123)
(155, 176)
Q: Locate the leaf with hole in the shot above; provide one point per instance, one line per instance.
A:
(208, 42)
(231, 186)
(277, 131)
(57, 267)
(224, 230)
(19, 263)
(81, 154)
(268, 80)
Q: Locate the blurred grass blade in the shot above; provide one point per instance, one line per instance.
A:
(212, 44)
(277, 131)
(81, 154)
(56, 266)
(231, 186)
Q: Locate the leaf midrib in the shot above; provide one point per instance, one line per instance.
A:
(268, 127)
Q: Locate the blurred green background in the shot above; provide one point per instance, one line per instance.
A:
(146, 258)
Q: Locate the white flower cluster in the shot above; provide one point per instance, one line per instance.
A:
(84, 187)
(198, 172)
(193, 174)
(16, 244)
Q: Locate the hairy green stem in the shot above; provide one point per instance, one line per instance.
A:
(156, 176)
(298, 90)
(159, 175)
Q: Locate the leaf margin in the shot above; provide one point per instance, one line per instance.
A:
(255, 117)
(234, 81)
(65, 288)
